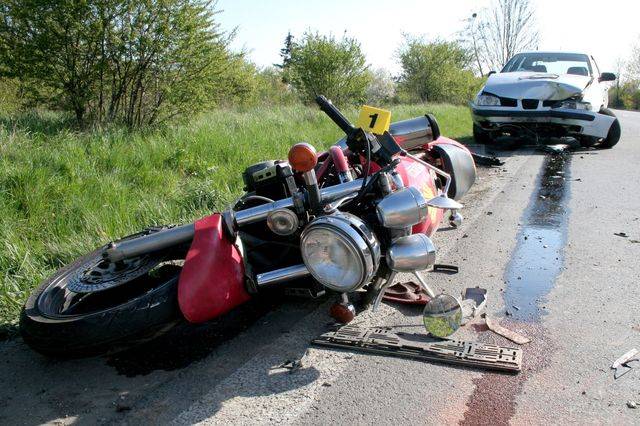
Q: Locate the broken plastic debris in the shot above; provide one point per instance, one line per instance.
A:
(621, 234)
(505, 332)
(620, 365)
(474, 300)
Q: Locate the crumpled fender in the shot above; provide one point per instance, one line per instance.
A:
(458, 161)
(212, 278)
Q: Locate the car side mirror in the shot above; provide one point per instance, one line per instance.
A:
(490, 72)
(607, 76)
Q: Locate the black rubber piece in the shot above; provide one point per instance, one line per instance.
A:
(435, 128)
(482, 136)
(109, 330)
(613, 137)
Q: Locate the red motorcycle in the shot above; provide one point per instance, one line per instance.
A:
(347, 220)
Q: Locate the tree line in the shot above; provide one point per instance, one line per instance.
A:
(142, 62)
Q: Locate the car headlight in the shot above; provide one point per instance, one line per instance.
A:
(487, 100)
(340, 251)
(575, 104)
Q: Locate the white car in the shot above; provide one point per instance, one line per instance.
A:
(547, 94)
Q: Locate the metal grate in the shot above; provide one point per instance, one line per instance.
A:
(530, 103)
(508, 102)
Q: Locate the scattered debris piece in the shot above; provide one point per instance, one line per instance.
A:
(408, 293)
(620, 365)
(634, 241)
(554, 149)
(440, 267)
(486, 160)
(621, 234)
(474, 300)
(505, 332)
(517, 308)
(489, 213)
(420, 346)
(292, 365)
(632, 404)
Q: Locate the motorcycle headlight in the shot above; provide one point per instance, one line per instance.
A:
(340, 251)
(487, 100)
(575, 104)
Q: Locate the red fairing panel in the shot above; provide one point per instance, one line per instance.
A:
(212, 279)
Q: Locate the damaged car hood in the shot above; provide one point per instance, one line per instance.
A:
(535, 85)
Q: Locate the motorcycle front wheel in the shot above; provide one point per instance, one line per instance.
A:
(93, 306)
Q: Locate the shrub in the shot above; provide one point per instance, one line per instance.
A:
(324, 65)
(436, 72)
(382, 88)
(131, 61)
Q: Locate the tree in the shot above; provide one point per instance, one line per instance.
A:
(506, 28)
(382, 88)
(285, 54)
(436, 71)
(132, 61)
(324, 65)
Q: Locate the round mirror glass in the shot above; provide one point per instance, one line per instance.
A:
(442, 315)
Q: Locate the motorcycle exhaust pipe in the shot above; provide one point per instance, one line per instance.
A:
(161, 240)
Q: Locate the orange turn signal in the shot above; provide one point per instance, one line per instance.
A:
(303, 157)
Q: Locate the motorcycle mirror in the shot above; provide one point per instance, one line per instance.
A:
(442, 315)
(444, 202)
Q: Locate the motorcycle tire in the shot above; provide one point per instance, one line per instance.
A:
(59, 322)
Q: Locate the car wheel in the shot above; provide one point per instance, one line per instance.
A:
(482, 136)
(614, 131)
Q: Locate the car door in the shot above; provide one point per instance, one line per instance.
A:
(601, 90)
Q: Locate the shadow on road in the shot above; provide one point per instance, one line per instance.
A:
(150, 382)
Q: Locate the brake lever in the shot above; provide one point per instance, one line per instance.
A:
(330, 208)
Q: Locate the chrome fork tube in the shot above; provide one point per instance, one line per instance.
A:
(160, 240)
(281, 275)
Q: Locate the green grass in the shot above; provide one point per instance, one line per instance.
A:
(62, 193)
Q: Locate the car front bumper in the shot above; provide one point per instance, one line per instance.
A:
(590, 123)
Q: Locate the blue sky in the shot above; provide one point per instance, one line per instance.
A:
(606, 29)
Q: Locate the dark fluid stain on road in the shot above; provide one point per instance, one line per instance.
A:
(538, 258)
(531, 274)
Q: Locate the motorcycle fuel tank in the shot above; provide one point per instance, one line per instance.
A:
(212, 278)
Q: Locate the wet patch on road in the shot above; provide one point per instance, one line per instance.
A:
(538, 258)
(532, 272)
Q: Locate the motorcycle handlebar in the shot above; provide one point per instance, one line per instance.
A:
(335, 115)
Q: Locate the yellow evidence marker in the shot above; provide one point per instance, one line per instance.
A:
(374, 120)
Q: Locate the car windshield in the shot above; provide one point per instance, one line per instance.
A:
(552, 63)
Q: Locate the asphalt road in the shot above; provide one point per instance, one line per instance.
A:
(539, 235)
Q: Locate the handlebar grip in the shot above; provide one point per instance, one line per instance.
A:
(335, 115)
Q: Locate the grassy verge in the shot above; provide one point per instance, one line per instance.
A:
(63, 193)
